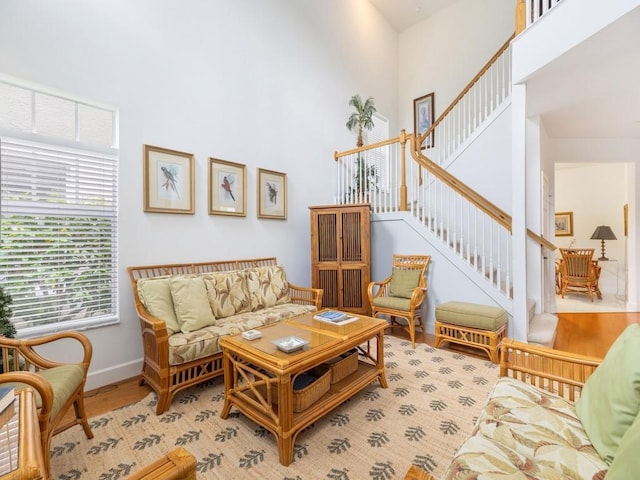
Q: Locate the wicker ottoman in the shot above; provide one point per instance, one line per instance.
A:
(479, 326)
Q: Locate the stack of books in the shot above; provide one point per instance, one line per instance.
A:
(335, 317)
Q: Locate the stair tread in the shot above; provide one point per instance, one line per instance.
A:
(542, 329)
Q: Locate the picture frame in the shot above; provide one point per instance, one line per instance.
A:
(423, 117)
(564, 224)
(272, 194)
(169, 180)
(625, 219)
(227, 188)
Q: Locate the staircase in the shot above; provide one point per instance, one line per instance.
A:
(469, 231)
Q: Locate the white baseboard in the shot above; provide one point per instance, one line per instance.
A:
(117, 373)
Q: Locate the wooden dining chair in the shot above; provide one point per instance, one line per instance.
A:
(579, 272)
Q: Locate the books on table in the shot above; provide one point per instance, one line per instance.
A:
(335, 317)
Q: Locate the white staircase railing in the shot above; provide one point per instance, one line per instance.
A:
(471, 109)
(379, 174)
(537, 8)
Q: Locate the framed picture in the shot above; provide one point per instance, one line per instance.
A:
(227, 188)
(564, 224)
(272, 194)
(423, 117)
(168, 177)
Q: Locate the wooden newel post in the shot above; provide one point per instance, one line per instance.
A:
(521, 16)
(403, 172)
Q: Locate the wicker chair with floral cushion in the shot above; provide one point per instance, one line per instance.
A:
(58, 385)
(579, 273)
(401, 294)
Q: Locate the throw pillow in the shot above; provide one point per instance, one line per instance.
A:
(404, 281)
(268, 287)
(627, 458)
(228, 293)
(610, 399)
(155, 294)
(190, 300)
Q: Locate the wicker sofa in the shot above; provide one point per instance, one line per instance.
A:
(184, 309)
(544, 420)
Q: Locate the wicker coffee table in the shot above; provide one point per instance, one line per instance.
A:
(258, 377)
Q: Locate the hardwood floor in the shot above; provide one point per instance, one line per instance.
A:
(584, 333)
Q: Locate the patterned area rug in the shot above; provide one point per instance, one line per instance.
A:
(423, 417)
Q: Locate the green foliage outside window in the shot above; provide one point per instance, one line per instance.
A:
(76, 283)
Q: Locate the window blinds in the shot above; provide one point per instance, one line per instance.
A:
(58, 236)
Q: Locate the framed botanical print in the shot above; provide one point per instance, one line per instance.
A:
(168, 177)
(227, 188)
(564, 224)
(272, 194)
(423, 117)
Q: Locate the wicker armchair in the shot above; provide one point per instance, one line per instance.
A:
(58, 385)
(401, 294)
(579, 273)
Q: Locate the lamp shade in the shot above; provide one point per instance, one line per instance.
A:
(603, 232)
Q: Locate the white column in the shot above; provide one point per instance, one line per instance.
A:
(520, 324)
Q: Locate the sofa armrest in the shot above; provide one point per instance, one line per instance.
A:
(155, 339)
(178, 464)
(562, 373)
(416, 473)
(306, 295)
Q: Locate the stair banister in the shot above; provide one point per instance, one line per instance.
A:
(467, 192)
(422, 137)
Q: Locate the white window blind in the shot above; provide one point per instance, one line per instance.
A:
(58, 236)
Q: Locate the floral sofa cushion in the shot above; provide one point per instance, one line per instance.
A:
(524, 432)
(268, 287)
(228, 293)
(184, 347)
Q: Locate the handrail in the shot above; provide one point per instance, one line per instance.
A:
(465, 90)
(500, 216)
(543, 242)
(403, 137)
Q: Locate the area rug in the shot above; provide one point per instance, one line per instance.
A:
(423, 417)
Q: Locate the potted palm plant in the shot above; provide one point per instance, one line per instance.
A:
(362, 118)
(365, 177)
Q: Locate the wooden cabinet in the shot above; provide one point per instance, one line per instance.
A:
(341, 255)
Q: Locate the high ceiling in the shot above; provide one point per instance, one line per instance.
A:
(593, 91)
(402, 14)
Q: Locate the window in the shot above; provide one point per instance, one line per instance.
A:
(379, 156)
(58, 210)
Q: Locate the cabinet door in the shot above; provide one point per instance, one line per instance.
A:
(340, 256)
(354, 260)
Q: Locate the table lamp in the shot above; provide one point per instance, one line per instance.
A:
(602, 233)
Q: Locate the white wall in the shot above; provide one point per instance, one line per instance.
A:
(485, 162)
(265, 84)
(443, 53)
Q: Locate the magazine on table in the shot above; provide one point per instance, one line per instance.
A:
(335, 317)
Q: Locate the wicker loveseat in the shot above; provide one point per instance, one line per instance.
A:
(184, 310)
(553, 415)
